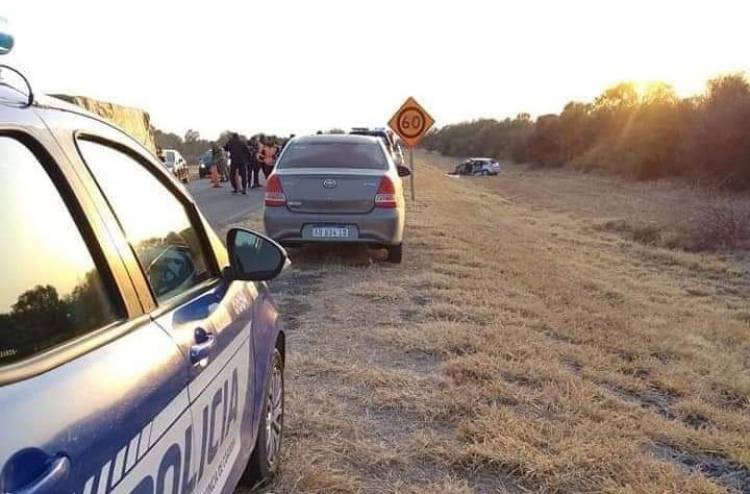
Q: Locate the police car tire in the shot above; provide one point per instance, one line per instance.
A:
(258, 469)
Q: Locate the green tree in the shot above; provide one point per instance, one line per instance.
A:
(545, 142)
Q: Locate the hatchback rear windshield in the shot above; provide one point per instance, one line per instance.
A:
(334, 155)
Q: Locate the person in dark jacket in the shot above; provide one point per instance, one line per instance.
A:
(254, 163)
(239, 154)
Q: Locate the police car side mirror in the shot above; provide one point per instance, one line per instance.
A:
(254, 257)
(403, 171)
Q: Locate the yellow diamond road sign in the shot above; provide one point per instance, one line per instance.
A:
(411, 122)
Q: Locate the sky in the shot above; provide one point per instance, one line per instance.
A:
(296, 66)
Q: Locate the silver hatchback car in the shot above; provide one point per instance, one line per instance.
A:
(336, 188)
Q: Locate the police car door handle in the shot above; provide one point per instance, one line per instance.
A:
(204, 343)
(49, 482)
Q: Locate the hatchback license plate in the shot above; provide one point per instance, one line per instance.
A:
(330, 232)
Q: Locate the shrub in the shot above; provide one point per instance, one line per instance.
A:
(646, 234)
(723, 225)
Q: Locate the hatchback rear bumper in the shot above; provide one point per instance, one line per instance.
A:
(380, 226)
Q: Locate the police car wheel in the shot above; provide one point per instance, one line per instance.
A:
(265, 459)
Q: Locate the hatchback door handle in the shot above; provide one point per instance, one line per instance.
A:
(49, 482)
(204, 343)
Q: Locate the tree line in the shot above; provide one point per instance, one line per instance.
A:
(645, 133)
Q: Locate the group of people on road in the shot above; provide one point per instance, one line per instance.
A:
(247, 159)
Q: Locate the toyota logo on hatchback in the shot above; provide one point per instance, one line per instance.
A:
(329, 183)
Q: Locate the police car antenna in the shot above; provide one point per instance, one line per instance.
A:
(30, 100)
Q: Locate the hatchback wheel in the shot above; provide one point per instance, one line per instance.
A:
(395, 253)
(264, 461)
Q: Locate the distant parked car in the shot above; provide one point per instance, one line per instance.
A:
(398, 154)
(176, 164)
(477, 167)
(389, 140)
(337, 188)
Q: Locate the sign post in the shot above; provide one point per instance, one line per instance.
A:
(411, 165)
(411, 122)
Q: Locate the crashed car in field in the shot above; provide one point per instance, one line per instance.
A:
(477, 167)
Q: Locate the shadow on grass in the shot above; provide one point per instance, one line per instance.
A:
(319, 256)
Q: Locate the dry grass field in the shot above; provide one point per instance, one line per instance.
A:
(523, 346)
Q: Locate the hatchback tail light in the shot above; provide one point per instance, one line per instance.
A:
(386, 195)
(275, 192)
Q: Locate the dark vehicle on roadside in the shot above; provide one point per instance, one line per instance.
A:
(136, 350)
(477, 167)
(204, 164)
(337, 188)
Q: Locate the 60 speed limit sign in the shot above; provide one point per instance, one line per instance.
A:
(411, 122)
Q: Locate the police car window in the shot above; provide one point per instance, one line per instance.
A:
(155, 223)
(51, 290)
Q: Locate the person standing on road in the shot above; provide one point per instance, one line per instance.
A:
(254, 163)
(223, 165)
(268, 155)
(239, 153)
(260, 154)
(218, 162)
(260, 140)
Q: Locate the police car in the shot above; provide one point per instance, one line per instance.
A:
(138, 355)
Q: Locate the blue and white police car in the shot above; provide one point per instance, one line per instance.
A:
(138, 354)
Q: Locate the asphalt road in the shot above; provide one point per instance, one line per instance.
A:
(220, 206)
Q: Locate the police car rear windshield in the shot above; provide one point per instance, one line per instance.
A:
(334, 155)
